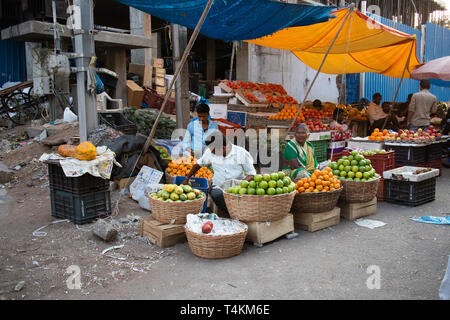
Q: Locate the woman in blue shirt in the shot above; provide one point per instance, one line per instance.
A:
(198, 129)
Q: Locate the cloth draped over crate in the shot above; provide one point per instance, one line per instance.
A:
(363, 45)
(234, 19)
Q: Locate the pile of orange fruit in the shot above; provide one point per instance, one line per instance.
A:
(288, 113)
(320, 181)
(378, 135)
(182, 166)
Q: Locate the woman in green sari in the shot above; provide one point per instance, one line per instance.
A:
(300, 155)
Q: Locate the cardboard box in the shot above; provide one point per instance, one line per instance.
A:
(145, 71)
(313, 222)
(172, 94)
(160, 81)
(124, 183)
(161, 90)
(263, 232)
(354, 211)
(160, 72)
(158, 63)
(161, 234)
(135, 94)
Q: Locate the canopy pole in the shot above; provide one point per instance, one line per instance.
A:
(177, 72)
(399, 85)
(352, 7)
(230, 77)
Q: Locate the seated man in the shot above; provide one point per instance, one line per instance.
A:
(197, 130)
(389, 119)
(228, 162)
(300, 155)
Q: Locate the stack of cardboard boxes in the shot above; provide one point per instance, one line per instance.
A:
(159, 79)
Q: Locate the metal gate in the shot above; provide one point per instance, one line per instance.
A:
(12, 61)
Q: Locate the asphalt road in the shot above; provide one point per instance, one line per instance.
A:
(329, 264)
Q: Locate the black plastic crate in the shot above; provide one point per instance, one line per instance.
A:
(410, 194)
(434, 151)
(77, 185)
(409, 155)
(80, 209)
(118, 121)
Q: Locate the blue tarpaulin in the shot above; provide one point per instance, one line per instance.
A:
(234, 19)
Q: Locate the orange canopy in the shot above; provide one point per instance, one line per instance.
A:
(371, 46)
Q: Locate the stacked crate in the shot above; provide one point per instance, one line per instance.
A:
(79, 199)
(160, 76)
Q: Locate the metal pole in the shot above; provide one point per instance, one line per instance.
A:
(176, 59)
(177, 72)
(362, 80)
(400, 84)
(85, 50)
(57, 40)
(350, 11)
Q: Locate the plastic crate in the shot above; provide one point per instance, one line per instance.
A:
(80, 209)
(410, 194)
(119, 122)
(154, 100)
(434, 151)
(320, 149)
(337, 156)
(406, 155)
(197, 183)
(381, 191)
(77, 185)
(436, 164)
(382, 162)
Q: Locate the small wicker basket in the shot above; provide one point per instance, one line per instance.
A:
(216, 247)
(249, 208)
(315, 202)
(359, 191)
(175, 212)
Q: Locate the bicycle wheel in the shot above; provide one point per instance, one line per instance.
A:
(20, 107)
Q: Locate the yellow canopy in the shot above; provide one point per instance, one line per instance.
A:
(371, 46)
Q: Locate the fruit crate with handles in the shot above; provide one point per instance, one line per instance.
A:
(154, 100)
(320, 149)
(196, 183)
(80, 209)
(435, 164)
(382, 162)
(77, 185)
(119, 122)
(409, 193)
(407, 155)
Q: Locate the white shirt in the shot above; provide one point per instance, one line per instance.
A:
(375, 112)
(236, 165)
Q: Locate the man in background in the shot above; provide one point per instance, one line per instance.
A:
(422, 105)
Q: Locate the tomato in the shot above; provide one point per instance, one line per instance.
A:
(207, 227)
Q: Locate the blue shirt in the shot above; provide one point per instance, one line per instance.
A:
(195, 135)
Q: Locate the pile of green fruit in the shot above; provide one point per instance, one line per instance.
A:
(267, 184)
(354, 168)
(174, 193)
(145, 119)
(372, 153)
(163, 153)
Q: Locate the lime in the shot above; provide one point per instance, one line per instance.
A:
(281, 175)
(354, 153)
(340, 162)
(230, 190)
(343, 174)
(334, 166)
(243, 191)
(291, 188)
(346, 163)
(260, 192)
(355, 169)
(258, 178)
(362, 163)
(252, 185)
(350, 158)
(366, 175)
(266, 177)
(337, 173)
(280, 184)
(263, 185)
(272, 184)
(271, 191)
(351, 175)
(286, 190)
(251, 191)
(279, 190)
(359, 157)
(341, 167)
(244, 184)
(359, 175)
(357, 179)
(354, 163)
(237, 189)
(274, 176)
(286, 181)
(348, 169)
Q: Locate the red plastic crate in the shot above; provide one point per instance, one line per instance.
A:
(382, 162)
(436, 164)
(337, 156)
(154, 100)
(381, 191)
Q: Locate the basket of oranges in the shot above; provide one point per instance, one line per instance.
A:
(317, 194)
(181, 167)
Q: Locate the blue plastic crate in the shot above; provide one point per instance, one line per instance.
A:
(197, 183)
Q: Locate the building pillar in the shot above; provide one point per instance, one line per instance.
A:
(242, 59)
(141, 25)
(116, 61)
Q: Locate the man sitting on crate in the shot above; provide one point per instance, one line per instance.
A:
(228, 162)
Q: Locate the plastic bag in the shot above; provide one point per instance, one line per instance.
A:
(145, 177)
(69, 116)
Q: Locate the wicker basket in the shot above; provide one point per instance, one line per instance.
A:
(215, 247)
(247, 208)
(359, 191)
(175, 212)
(315, 202)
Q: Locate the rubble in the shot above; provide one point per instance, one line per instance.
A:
(19, 286)
(104, 230)
(103, 135)
(5, 174)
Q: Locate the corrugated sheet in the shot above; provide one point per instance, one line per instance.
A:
(12, 61)
(388, 86)
(437, 45)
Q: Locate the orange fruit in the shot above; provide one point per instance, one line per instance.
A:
(319, 187)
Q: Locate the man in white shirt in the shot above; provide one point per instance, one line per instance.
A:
(378, 115)
(422, 105)
(228, 162)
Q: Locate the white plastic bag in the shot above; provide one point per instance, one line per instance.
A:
(69, 116)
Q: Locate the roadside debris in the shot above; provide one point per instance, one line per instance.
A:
(104, 230)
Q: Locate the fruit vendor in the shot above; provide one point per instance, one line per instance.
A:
(228, 162)
(422, 105)
(300, 155)
(197, 130)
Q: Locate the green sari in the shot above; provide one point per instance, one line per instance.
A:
(307, 160)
